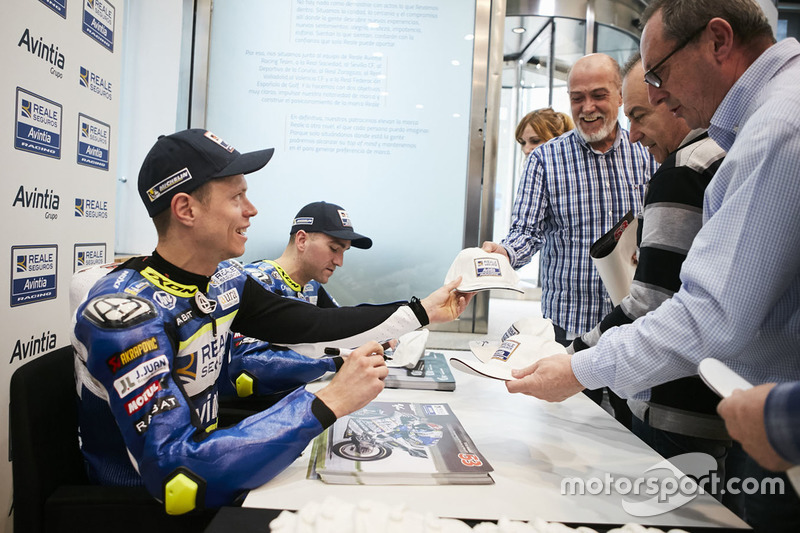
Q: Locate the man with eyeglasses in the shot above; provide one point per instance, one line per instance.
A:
(680, 416)
(716, 64)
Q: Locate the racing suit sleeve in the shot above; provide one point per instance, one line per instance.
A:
(287, 322)
(260, 368)
(181, 464)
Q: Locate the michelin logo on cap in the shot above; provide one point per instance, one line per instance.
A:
(166, 185)
(303, 221)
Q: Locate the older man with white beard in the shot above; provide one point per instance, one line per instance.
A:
(573, 190)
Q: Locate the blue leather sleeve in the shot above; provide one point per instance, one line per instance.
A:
(272, 369)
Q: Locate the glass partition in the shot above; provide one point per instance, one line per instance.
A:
(618, 44)
(368, 106)
(538, 53)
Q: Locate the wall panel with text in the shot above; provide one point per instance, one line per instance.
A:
(367, 104)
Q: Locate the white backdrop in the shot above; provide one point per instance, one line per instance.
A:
(59, 104)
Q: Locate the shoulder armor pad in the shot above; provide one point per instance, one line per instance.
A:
(119, 311)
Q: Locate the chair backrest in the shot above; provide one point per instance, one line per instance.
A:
(52, 492)
(43, 435)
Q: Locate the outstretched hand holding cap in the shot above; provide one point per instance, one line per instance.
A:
(446, 303)
(480, 270)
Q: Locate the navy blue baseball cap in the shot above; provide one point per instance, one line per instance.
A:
(330, 219)
(185, 160)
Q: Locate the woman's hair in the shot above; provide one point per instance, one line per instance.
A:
(546, 123)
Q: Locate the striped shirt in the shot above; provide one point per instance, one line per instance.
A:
(672, 216)
(568, 197)
(740, 295)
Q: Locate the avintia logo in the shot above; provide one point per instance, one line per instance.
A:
(34, 346)
(42, 50)
(36, 199)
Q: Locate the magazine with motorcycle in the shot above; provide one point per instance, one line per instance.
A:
(399, 443)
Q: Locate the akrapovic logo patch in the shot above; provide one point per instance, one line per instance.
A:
(117, 361)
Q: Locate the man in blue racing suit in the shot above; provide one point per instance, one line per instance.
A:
(320, 234)
(152, 340)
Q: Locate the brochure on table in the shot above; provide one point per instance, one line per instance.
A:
(399, 443)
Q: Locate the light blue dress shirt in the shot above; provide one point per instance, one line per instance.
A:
(740, 296)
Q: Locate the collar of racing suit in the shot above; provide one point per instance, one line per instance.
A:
(168, 270)
(296, 287)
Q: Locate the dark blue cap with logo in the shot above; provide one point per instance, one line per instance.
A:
(185, 160)
(330, 219)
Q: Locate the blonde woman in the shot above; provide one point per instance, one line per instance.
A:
(539, 126)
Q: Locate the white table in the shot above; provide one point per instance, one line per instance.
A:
(532, 445)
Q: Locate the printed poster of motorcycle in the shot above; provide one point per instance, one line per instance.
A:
(397, 443)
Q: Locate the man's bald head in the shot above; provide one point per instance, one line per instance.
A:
(595, 95)
(597, 64)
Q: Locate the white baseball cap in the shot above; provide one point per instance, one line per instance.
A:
(497, 359)
(481, 270)
(410, 348)
(532, 325)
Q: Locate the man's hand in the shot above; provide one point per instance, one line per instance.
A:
(494, 248)
(357, 382)
(743, 413)
(446, 303)
(548, 379)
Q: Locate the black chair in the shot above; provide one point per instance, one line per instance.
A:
(51, 489)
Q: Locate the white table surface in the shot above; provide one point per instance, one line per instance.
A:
(532, 445)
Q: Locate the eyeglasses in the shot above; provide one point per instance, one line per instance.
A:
(651, 77)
